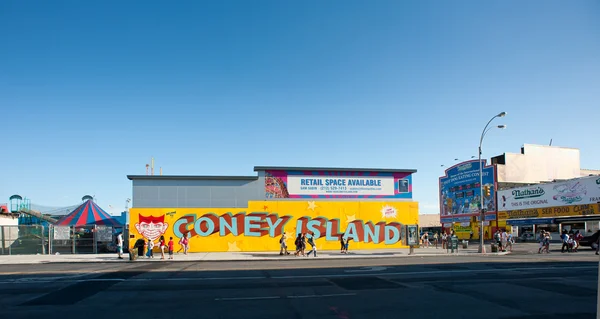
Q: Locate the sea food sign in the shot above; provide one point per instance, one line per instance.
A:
(557, 211)
(579, 191)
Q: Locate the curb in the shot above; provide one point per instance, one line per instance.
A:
(262, 259)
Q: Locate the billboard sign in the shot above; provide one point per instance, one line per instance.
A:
(323, 184)
(460, 190)
(450, 219)
(578, 191)
(558, 211)
(260, 226)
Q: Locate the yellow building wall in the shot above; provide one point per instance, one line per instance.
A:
(369, 225)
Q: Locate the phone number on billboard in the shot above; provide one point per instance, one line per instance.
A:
(347, 189)
(333, 188)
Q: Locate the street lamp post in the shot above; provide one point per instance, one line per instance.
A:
(481, 209)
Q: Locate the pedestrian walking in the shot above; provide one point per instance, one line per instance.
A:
(303, 244)
(510, 241)
(565, 242)
(161, 245)
(150, 246)
(444, 240)
(425, 240)
(120, 245)
(346, 245)
(171, 247)
(283, 246)
(311, 242)
(184, 243)
(298, 243)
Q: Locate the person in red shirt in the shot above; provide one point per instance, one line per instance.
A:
(171, 247)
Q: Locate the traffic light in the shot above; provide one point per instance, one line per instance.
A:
(486, 191)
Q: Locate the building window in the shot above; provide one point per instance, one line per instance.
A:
(403, 186)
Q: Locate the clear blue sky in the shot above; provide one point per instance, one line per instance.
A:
(89, 91)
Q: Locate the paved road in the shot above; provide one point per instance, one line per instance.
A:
(514, 286)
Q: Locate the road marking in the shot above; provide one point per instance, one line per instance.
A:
(348, 275)
(247, 298)
(317, 296)
(280, 297)
(367, 269)
(200, 278)
(431, 272)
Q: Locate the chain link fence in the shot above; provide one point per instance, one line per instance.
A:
(40, 239)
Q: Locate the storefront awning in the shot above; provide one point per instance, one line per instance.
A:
(578, 219)
(530, 221)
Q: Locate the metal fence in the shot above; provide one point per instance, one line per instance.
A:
(41, 239)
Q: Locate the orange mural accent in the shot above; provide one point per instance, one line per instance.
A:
(368, 225)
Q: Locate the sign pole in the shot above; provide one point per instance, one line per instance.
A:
(485, 130)
(481, 210)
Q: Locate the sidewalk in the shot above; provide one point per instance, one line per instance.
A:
(239, 256)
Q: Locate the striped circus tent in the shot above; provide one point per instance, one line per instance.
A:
(88, 213)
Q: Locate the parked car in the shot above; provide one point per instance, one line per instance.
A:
(587, 241)
(527, 236)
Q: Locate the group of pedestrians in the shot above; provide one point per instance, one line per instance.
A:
(570, 241)
(148, 245)
(437, 239)
(504, 240)
(302, 239)
(544, 239)
(162, 245)
(300, 244)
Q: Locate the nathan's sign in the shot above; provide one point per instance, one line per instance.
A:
(579, 191)
(528, 193)
(574, 210)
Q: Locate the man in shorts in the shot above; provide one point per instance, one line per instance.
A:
(171, 248)
(120, 245)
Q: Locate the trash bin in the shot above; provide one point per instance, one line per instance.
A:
(454, 244)
(139, 246)
(465, 244)
(494, 248)
(132, 255)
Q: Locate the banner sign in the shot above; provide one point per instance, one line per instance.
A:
(321, 184)
(527, 222)
(578, 191)
(261, 226)
(462, 229)
(558, 211)
(104, 233)
(488, 217)
(456, 219)
(460, 191)
(62, 233)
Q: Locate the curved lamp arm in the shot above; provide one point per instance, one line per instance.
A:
(485, 129)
